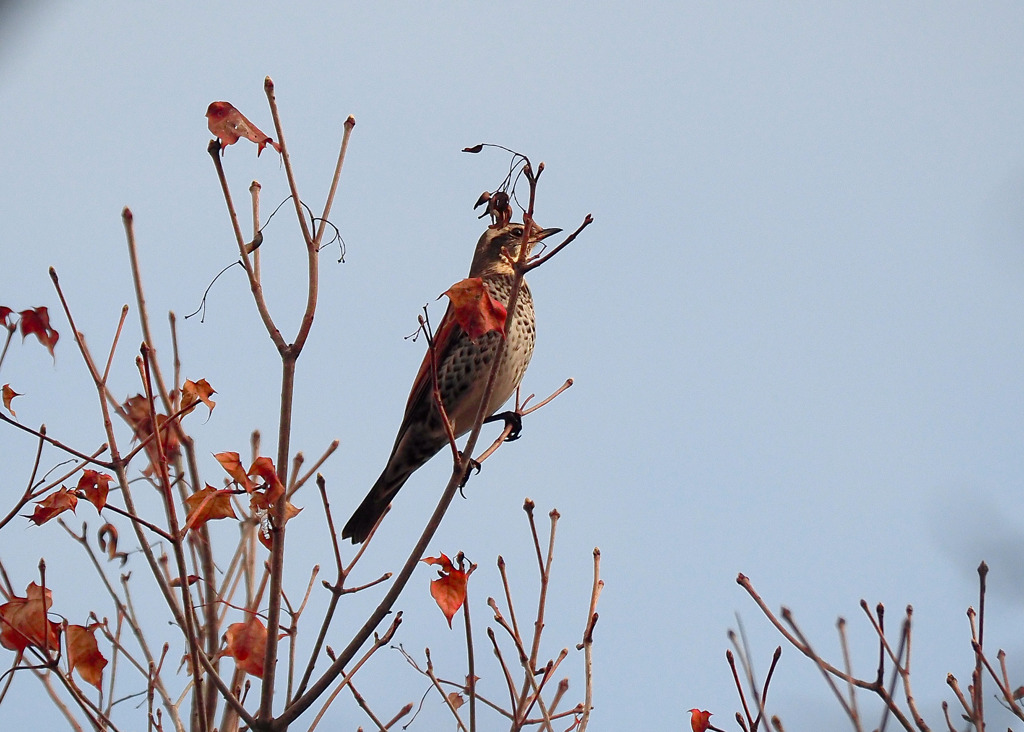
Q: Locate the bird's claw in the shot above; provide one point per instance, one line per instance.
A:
(473, 464)
(515, 419)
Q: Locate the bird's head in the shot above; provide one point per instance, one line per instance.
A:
(488, 257)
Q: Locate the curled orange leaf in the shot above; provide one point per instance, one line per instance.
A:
(231, 462)
(228, 124)
(8, 394)
(36, 321)
(261, 506)
(263, 468)
(700, 721)
(138, 415)
(247, 644)
(449, 589)
(107, 536)
(84, 655)
(206, 505)
(53, 505)
(95, 486)
(193, 392)
(23, 621)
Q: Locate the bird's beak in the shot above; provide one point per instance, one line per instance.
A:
(544, 234)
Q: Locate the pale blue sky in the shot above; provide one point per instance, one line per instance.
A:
(795, 326)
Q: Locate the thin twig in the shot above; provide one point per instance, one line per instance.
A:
(28, 494)
(41, 434)
(299, 482)
(731, 660)
(350, 123)
(113, 344)
(823, 665)
(257, 233)
(447, 700)
(539, 260)
(364, 706)
(191, 635)
(854, 715)
(508, 596)
(505, 670)
(588, 642)
(378, 643)
(470, 665)
(977, 695)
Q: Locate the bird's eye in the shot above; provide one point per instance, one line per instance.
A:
(517, 233)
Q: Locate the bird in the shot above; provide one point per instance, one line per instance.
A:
(463, 368)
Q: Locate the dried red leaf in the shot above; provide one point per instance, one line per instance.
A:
(261, 506)
(208, 504)
(36, 321)
(23, 621)
(108, 543)
(137, 413)
(449, 589)
(700, 721)
(95, 486)
(53, 505)
(5, 318)
(193, 392)
(84, 655)
(7, 393)
(228, 124)
(484, 197)
(475, 310)
(231, 462)
(261, 502)
(263, 467)
(107, 538)
(499, 207)
(247, 644)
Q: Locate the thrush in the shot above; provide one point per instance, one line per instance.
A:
(463, 368)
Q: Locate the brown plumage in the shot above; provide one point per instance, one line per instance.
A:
(463, 368)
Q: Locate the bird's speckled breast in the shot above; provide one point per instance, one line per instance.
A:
(459, 373)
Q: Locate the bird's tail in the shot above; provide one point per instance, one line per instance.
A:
(373, 506)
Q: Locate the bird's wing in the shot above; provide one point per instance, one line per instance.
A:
(448, 331)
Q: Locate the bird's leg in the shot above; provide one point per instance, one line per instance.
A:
(513, 419)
